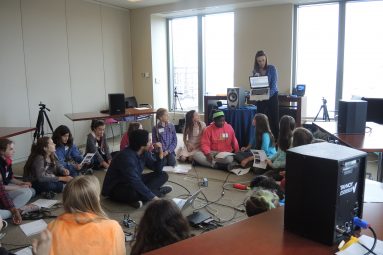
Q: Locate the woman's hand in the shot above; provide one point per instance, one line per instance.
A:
(157, 145)
(78, 166)
(16, 217)
(189, 147)
(67, 178)
(209, 157)
(243, 149)
(66, 172)
(25, 184)
(105, 164)
(166, 153)
(268, 162)
(42, 245)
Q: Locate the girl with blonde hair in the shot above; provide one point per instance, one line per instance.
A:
(165, 133)
(84, 217)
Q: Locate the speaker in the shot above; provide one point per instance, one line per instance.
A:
(352, 116)
(235, 97)
(324, 190)
(116, 103)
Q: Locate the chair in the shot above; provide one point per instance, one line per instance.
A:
(131, 102)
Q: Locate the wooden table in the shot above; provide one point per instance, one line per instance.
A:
(263, 234)
(6, 132)
(97, 115)
(284, 101)
(371, 141)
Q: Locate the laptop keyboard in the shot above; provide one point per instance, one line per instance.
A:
(260, 91)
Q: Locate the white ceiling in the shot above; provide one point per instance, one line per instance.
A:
(134, 4)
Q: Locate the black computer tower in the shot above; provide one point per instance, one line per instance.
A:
(116, 103)
(324, 190)
(352, 116)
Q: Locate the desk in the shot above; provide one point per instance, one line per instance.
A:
(263, 234)
(368, 142)
(6, 132)
(97, 115)
(241, 120)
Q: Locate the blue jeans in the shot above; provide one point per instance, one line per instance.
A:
(56, 187)
(20, 197)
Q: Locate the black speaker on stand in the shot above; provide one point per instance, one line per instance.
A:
(352, 116)
(324, 190)
(116, 103)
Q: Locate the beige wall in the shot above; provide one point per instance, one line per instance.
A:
(268, 28)
(69, 54)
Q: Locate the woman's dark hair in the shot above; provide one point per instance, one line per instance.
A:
(302, 136)
(161, 225)
(189, 124)
(96, 123)
(133, 126)
(262, 126)
(286, 127)
(138, 138)
(59, 132)
(268, 183)
(36, 150)
(259, 53)
(4, 144)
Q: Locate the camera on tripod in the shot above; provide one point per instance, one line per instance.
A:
(43, 107)
(324, 100)
(176, 99)
(177, 93)
(39, 132)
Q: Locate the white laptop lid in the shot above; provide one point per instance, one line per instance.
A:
(258, 81)
(185, 203)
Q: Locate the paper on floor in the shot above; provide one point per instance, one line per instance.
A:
(33, 227)
(240, 171)
(25, 251)
(45, 203)
(178, 169)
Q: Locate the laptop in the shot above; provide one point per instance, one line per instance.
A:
(260, 89)
(185, 203)
(259, 82)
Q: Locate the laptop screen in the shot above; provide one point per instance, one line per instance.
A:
(258, 81)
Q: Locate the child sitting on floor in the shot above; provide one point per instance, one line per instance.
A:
(165, 133)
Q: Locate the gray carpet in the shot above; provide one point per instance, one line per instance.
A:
(182, 184)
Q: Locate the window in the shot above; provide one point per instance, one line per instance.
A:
(316, 55)
(363, 65)
(201, 58)
(338, 51)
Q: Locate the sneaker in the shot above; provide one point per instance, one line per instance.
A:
(138, 204)
(48, 195)
(233, 165)
(165, 190)
(88, 171)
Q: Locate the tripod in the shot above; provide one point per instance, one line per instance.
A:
(176, 99)
(40, 122)
(325, 112)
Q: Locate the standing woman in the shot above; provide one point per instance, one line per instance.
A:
(269, 107)
(191, 136)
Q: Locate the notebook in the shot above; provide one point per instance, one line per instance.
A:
(185, 203)
(88, 158)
